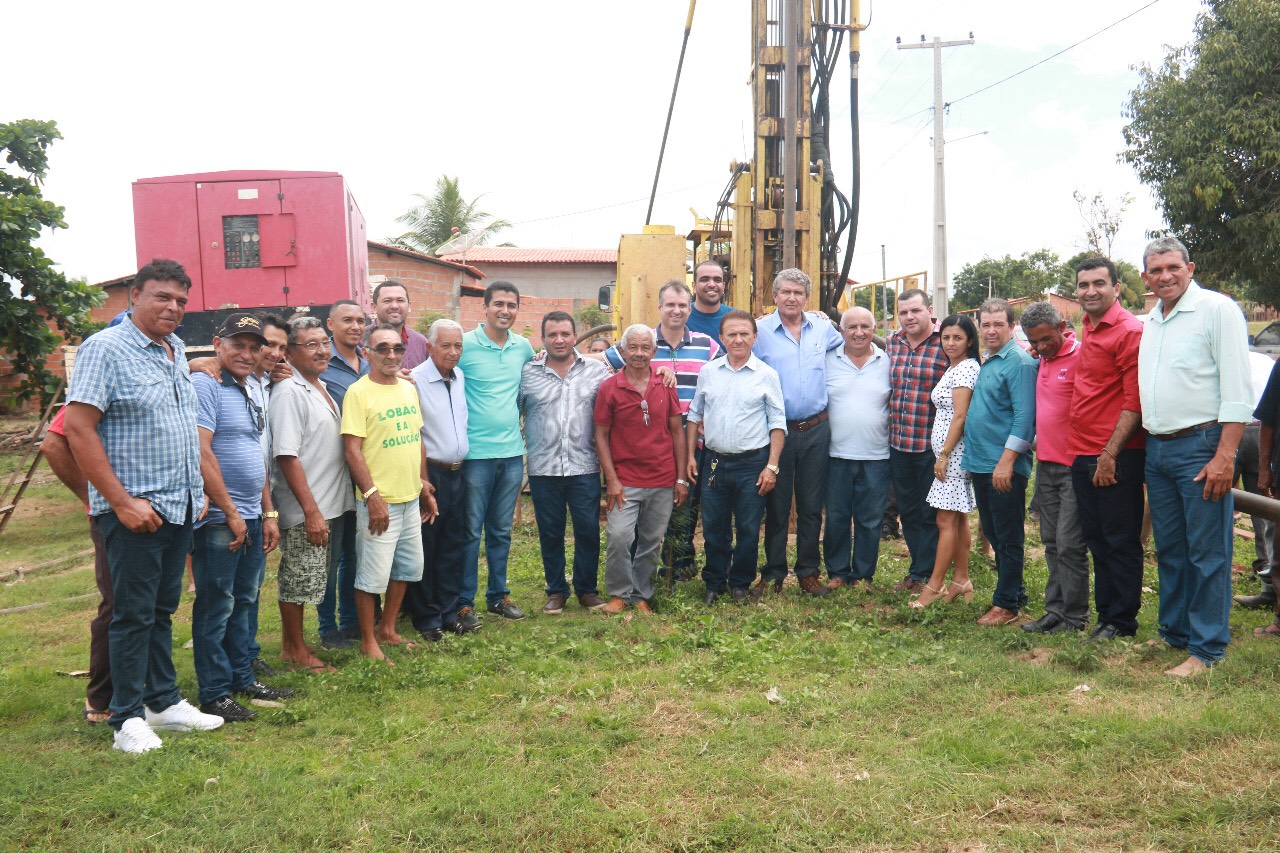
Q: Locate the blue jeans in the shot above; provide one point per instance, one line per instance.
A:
(802, 476)
(856, 489)
(731, 504)
(146, 576)
(1003, 515)
(581, 493)
(493, 487)
(227, 585)
(433, 601)
(912, 475)
(341, 586)
(1193, 545)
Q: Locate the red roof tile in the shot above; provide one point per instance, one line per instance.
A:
(516, 255)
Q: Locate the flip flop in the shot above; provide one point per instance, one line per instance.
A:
(86, 712)
(1272, 630)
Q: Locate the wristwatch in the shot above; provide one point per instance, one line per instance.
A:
(366, 495)
(684, 483)
(272, 514)
(773, 468)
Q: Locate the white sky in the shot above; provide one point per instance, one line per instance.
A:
(556, 108)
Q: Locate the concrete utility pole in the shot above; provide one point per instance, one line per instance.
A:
(941, 283)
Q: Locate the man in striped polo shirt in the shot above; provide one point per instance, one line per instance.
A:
(685, 353)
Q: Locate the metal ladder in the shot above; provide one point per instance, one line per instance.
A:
(18, 480)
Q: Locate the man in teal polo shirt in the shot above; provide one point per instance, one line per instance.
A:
(492, 359)
(997, 438)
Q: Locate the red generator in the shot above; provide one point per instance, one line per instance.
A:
(255, 240)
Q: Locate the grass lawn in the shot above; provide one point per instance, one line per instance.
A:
(899, 731)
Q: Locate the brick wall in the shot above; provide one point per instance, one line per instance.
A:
(431, 287)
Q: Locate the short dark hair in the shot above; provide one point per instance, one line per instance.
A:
(501, 286)
(709, 262)
(1100, 263)
(996, 305)
(966, 326)
(161, 269)
(738, 314)
(914, 292)
(269, 319)
(391, 282)
(558, 317)
(676, 284)
(345, 302)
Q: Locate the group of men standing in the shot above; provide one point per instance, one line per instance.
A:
(379, 459)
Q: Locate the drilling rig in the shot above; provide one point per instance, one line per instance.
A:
(785, 207)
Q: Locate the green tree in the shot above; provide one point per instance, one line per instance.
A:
(432, 221)
(1203, 135)
(32, 293)
(1033, 275)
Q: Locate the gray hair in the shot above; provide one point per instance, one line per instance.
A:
(298, 325)
(1040, 314)
(794, 276)
(639, 329)
(433, 333)
(1162, 245)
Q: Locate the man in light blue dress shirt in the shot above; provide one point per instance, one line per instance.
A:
(1193, 382)
(795, 344)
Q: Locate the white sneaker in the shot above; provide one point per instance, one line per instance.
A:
(182, 717)
(136, 737)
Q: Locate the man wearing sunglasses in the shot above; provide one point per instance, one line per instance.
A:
(232, 541)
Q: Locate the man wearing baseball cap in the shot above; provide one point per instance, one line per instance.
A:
(232, 541)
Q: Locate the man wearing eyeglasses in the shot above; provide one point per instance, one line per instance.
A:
(639, 439)
(312, 488)
(382, 437)
(232, 541)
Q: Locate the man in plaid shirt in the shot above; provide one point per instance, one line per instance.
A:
(916, 363)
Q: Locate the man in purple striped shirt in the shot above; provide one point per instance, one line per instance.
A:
(391, 304)
(916, 363)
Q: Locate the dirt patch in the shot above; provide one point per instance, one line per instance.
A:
(1037, 656)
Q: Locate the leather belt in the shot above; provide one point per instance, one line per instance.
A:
(1183, 433)
(447, 466)
(807, 423)
(728, 457)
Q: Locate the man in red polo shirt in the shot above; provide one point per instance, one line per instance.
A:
(640, 443)
(1106, 437)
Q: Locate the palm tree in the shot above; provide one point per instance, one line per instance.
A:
(432, 220)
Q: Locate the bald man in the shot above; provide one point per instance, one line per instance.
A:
(858, 474)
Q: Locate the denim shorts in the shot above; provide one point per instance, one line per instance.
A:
(396, 555)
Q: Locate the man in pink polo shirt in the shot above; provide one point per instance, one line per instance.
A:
(640, 443)
(1066, 595)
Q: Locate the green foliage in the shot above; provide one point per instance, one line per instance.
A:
(1131, 284)
(432, 220)
(1203, 135)
(1033, 274)
(425, 319)
(32, 292)
(589, 316)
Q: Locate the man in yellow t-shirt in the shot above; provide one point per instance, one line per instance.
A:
(382, 437)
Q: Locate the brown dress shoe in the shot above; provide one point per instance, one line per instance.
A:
(591, 601)
(760, 587)
(643, 608)
(864, 584)
(908, 585)
(614, 607)
(814, 586)
(997, 616)
(554, 605)
(836, 583)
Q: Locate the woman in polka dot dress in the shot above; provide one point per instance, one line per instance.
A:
(951, 494)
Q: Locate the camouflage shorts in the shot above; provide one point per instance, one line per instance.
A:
(304, 568)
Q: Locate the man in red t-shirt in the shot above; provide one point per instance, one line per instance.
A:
(640, 443)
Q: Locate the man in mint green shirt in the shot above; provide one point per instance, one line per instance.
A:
(1194, 386)
(492, 359)
(997, 438)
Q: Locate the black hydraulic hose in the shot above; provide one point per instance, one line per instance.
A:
(688, 25)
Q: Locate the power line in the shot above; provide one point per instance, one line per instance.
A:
(1056, 55)
(922, 126)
